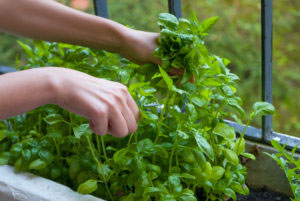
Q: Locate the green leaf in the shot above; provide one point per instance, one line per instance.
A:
(27, 49)
(263, 108)
(104, 171)
(230, 193)
(276, 145)
(228, 90)
(217, 173)
(152, 191)
(168, 20)
(4, 157)
(225, 131)
(174, 184)
(149, 115)
(234, 103)
(187, 195)
(192, 112)
(208, 24)
(145, 146)
(231, 156)
(248, 155)
(74, 168)
(120, 156)
(241, 189)
(52, 119)
(87, 187)
(26, 154)
(239, 146)
(182, 135)
(37, 164)
(55, 173)
(185, 175)
(208, 169)
(3, 135)
(46, 156)
(81, 129)
(204, 146)
(166, 78)
(18, 164)
(199, 156)
(212, 82)
(199, 101)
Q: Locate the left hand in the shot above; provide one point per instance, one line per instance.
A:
(140, 46)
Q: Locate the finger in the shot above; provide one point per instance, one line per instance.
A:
(99, 122)
(117, 124)
(180, 72)
(156, 60)
(192, 79)
(133, 107)
(130, 119)
(176, 71)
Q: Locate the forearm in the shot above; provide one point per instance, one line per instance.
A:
(52, 21)
(24, 91)
(108, 105)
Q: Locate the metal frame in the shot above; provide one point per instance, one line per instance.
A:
(266, 134)
(267, 65)
(175, 7)
(101, 9)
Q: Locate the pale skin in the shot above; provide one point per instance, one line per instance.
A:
(107, 105)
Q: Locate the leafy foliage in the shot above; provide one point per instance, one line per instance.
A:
(289, 165)
(182, 144)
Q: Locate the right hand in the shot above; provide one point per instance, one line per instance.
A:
(108, 105)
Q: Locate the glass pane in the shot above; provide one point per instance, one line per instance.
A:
(286, 71)
(140, 14)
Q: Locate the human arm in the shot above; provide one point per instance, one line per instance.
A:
(52, 21)
(108, 105)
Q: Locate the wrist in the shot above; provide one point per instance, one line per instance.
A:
(51, 85)
(109, 35)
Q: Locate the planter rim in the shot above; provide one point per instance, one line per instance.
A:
(28, 187)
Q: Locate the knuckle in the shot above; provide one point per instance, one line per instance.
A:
(113, 108)
(123, 89)
(117, 99)
(100, 112)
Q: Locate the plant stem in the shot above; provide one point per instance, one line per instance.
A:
(98, 145)
(103, 148)
(129, 140)
(135, 137)
(98, 162)
(244, 130)
(172, 153)
(40, 123)
(70, 124)
(247, 125)
(56, 147)
(161, 117)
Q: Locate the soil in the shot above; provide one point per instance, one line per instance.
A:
(263, 195)
(255, 195)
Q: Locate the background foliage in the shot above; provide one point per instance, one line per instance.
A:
(236, 36)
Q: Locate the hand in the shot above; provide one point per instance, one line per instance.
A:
(139, 46)
(108, 105)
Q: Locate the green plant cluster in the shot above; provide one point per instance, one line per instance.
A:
(290, 165)
(183, 150)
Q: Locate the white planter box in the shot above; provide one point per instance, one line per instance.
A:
(29, 187)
